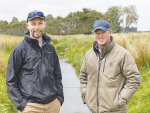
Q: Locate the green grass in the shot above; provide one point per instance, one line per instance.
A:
(140, 102)
(74, 48)
(6, 105)
(6, 45)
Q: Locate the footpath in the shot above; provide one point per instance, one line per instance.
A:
(72, 95)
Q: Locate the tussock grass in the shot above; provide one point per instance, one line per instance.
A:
(6, 45)
(138, 44)
(8, 42)
(3, 63)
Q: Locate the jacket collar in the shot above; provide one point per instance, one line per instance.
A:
(106, 49)
(45, 37)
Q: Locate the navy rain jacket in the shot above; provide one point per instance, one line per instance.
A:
(33, 74)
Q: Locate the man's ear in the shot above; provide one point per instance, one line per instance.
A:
(45, 23)
(27, 24)
(110, 31)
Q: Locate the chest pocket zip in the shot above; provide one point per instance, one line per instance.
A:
(104, 63)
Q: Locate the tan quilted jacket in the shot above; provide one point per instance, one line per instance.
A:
(108, 83)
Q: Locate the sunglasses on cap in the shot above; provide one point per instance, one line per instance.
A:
(35, 14)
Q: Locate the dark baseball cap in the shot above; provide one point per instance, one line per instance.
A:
(101, 24)
(35, 14)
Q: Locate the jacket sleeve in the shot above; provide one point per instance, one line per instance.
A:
(133, 80)
(58, 78)
(83, 80)
(14, 65)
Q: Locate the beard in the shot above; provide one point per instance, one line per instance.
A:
(36, 36)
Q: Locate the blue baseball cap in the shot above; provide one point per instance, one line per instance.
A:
(101, 24)
(35, 14)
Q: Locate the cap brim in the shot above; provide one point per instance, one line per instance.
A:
(36, 17)
(100, 27)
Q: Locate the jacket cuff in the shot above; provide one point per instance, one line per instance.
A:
(60, 98)
(23, 105)
(84, 98)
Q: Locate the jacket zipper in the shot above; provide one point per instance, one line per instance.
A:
(29, 87)
(98, 84)
(118, 94)
(104, 63)
(44, 76)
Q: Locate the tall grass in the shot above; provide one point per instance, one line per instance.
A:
(138, 44)
(74, 48)
(8, 42)
(77, 45)
(6, 45)
(6, 106)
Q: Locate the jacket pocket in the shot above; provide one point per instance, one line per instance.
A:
(117, 99)
(112, 70)
(83, 95)
(52, 78)
(122, 101)
(31, 75)
(109, 100)
(51, 81)
(49, 56)
(115, 105)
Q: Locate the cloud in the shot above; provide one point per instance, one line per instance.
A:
(20, 8)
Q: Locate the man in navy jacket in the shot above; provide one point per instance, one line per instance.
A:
(33, 73)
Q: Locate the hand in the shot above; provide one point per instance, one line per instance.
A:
(122, 101)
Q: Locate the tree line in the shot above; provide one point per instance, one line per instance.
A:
(80, 22)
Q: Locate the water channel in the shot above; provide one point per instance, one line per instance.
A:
(72, 95)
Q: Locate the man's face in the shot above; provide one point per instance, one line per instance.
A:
(36, 27)
(102, 37)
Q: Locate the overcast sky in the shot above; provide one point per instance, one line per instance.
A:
(20, 8)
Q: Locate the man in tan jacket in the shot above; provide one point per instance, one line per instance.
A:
(109, 75)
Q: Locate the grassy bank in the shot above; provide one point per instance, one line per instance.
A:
(6, 45)
(6, 105)
(74, 48)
